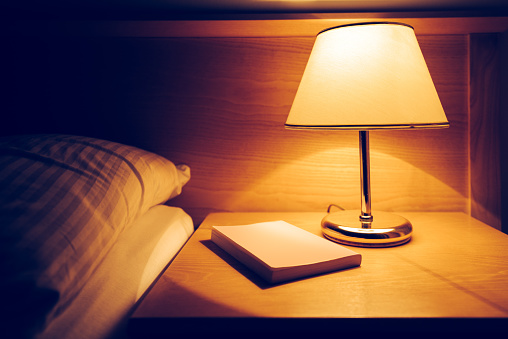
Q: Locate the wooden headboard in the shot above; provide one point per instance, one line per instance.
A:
(215, 94)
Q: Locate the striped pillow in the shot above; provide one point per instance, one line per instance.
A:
(64, 201)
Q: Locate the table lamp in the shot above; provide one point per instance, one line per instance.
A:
(366, 76)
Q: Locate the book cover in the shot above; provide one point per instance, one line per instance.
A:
(279, 251)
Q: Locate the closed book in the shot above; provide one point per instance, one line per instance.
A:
(279, 251)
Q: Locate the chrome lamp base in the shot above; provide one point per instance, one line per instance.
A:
(384, 229)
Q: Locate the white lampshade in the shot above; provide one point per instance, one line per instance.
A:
(364, 77)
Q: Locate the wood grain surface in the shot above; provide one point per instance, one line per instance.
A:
(219, 105)
(454, 267)
(227, 122)
(485, 128)
(259, 25)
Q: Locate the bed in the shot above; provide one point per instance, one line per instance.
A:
(84, 232)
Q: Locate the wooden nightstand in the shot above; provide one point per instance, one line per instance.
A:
(451, 278)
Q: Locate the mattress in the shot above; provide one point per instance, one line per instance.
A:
(141, 253)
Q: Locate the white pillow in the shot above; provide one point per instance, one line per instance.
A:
(64, 202)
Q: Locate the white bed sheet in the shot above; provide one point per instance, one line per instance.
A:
(102, 308)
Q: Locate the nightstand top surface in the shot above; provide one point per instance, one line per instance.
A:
(454, 267)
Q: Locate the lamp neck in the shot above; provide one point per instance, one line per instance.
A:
(365, 215)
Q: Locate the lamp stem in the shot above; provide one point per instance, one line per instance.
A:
(365, 216)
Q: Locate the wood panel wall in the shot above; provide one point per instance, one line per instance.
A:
(485, 128)
(253, 164)
(219, 104)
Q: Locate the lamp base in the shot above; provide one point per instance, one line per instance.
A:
(385, 230)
